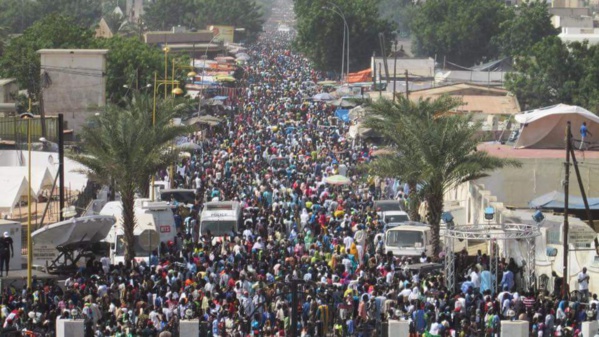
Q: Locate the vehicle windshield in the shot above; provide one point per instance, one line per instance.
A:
(181, 196)
(404, 238)
(396, 218)
(218, 228)
(388, 206)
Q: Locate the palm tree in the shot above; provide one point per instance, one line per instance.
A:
(431, 147)
(121, 147)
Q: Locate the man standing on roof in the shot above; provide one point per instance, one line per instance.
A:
(6, 252)
(583, 134)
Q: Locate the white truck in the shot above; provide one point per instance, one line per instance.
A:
(221, 218)
(414, 238)
(409, 239)
(155, 223)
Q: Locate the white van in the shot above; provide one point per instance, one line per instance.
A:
(155, 224)
(221, 218)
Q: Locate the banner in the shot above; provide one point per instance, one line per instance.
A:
(224, 33)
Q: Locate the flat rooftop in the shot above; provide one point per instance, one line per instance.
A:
(508, 151)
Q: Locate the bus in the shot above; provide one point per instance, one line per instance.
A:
(221, 218)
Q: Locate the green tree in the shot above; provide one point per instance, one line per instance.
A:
(163, 15)
(431, 148)
(528, 24)
(320, 32)
(17, 15)
(21, 60)
(121, 146)
(399, 12)
(238, 13)
(460, 30)
(130, 66)
(551, 73)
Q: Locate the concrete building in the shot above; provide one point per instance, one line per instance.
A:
(9, 89)
(572, 21)
(576, 34)
(76, 83)
(509, 191)
(567, 3)
(196, 44)
(477, 99)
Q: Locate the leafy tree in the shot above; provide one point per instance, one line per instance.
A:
(461, 30)
(320, 32)
(17, 15)
(527, 24)
(431, 148)
(121, 145)
(21, 60)
(162, 15)
(238, 13)
(399, 12)
(131, 63)
(551, 73)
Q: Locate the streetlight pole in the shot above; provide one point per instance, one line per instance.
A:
(394, 69)
(338, 11)
(166, 50)
(343, 48)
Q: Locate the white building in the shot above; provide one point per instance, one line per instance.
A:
(74, 83)
(576, 34)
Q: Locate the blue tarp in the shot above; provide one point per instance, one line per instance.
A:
(221, 98)
(555, 199)
(343, 114)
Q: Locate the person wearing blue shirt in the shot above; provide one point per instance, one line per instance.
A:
(419, 320)
(467, 285)
(584, 131)
(507, 280)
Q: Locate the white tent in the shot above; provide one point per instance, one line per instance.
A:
(544, 128)
(14, 189)
(41, 178)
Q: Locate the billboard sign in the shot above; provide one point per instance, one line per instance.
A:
(224, 33)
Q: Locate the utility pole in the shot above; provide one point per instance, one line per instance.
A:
(61, 162)
(407, 84)
(394, 69)
(566, 209)
(581, 187)
(380, 83)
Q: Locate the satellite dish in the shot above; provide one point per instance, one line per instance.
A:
(50, 160)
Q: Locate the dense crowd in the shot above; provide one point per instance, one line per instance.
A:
(296, 227)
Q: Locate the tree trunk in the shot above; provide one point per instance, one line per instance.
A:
(435, 209)
(128, 200)
(145, 188)
(413, 202)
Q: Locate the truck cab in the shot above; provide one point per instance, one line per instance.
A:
(409, 239)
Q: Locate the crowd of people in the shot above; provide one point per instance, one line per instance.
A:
(298, 231)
